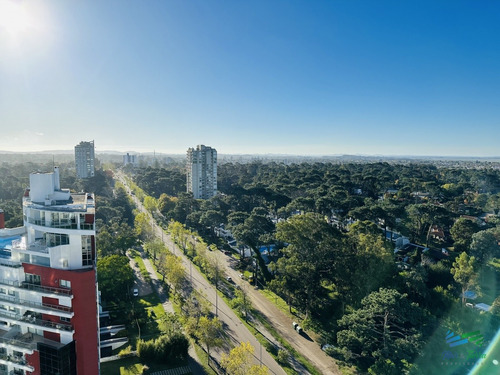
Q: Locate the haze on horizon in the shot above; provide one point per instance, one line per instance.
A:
(260, 77)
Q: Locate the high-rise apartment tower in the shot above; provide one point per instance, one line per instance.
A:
(85, 159)
(202, 172)
(48, 288)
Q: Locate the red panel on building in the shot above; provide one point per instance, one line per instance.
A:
(34, 360)
(84, 304)
(52, 336)
(50, 301)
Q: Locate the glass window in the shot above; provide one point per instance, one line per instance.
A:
(56, 239)
(65, 283)
(87, 251)
(32, 279)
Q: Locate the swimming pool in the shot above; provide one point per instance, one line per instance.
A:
(7, 242)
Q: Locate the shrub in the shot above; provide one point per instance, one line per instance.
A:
(168, 349)
(271, 348)
(126, 352)
(283, 356)
(146, 349)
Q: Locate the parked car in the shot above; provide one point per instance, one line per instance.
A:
(325, 347)
(229, 279)
(135, 292)
(299, 329)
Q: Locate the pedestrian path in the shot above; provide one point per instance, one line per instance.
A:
(174, 371)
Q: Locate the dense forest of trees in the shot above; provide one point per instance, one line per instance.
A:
(345, 277)
(334, 262)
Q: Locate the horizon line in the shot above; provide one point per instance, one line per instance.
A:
(63, 152)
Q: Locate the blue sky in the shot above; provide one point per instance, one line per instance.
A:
(295, 77)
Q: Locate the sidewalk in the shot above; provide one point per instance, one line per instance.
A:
(194, 367)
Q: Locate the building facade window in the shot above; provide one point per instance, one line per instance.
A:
(55, 239)
(65, 284)
(32, 279)
(87, 251)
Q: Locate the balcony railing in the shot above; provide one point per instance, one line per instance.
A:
(9, 263)
(14, 359)
(26, 341)
(38, 246)
(86, 226)
(70, 224)
(26, 303)
(37, 322)
(45, 289)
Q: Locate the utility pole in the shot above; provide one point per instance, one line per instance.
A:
(260, 353)
(216, 295)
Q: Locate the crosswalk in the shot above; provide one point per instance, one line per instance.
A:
(174, 371)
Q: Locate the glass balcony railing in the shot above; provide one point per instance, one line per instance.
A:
(10, 263)
(70, 224)
(14, 359)
(45, 289)
(42, 306)
(86, 226)
(25, 341)
(40, 323)
(38, 246)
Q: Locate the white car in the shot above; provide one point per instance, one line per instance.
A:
(135, 292)
(325, 347)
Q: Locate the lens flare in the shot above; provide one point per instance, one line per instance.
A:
(14, 19)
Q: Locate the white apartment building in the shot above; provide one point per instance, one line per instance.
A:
(202, 172)
(129, 159)
(85, 159)
(48, 286)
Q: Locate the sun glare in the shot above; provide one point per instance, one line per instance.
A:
(14, 19)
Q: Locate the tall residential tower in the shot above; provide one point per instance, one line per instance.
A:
(202, 172)
(48, 288)
(85, 159)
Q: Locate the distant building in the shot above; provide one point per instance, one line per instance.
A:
(129, 159)
(48, 287)
(85, 160)
(202, 172)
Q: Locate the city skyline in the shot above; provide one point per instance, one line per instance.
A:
(326, 78)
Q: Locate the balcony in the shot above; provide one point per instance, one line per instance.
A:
(38, 246)
(17, 361)
(14, 359)
(10, 263)
(45, 289)
(70, 224)
(46, 308)
(26, 342)
(37, 323)
(86, 226)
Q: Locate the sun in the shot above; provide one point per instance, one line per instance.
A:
(14, 19)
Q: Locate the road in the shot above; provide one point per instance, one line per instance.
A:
(302, 343)
(233, 327)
